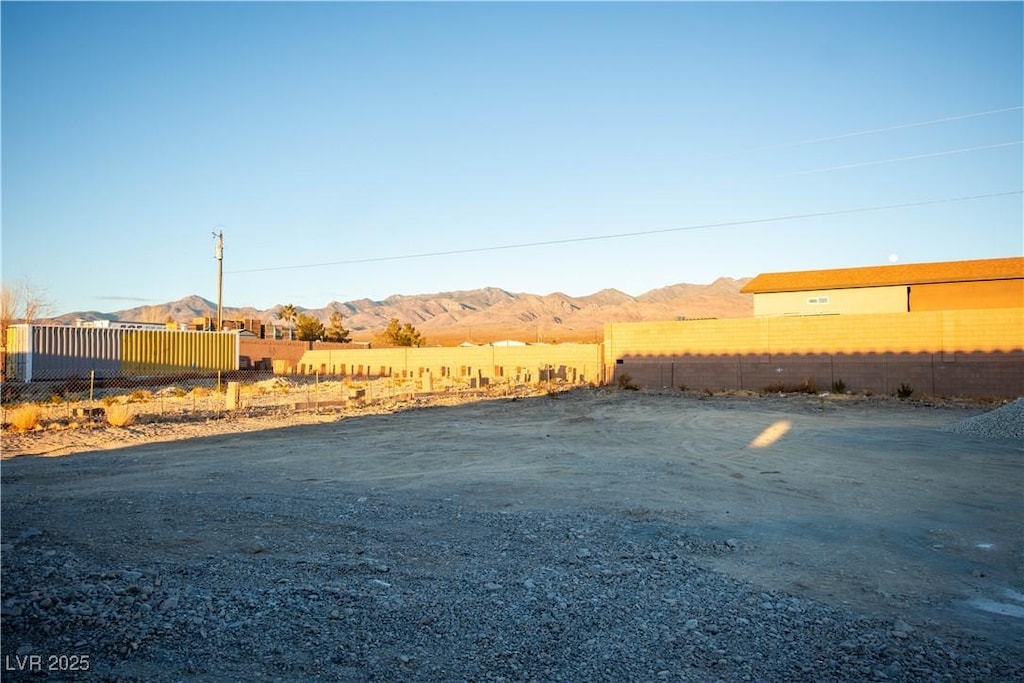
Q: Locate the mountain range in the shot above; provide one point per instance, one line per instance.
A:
(480, 315)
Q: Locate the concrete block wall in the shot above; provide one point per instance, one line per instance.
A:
(958, 352)
(945, 353)
(576, 363)
(984, 330)
(284, 354)
(984, 375)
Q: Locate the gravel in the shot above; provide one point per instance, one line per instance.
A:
(388, 588)
(1006, 422)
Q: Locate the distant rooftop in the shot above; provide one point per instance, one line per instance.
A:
(885, 276)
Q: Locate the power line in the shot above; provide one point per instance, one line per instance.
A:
(877, 162)
(641, 233)
(885, 129)
(808, 141)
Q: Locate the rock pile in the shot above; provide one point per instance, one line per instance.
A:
(1006, 422)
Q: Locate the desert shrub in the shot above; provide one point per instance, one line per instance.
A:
(26, 417)
(140, 395)
(839, 386)
(200, 392)
(625, 381)
(119, 415)
(253, 390)
(683, 387)
(178, 392)
(56, 398)
(808, 386)
(109, 400)
(905, 391)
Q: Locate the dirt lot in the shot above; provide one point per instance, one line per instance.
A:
(861, 505)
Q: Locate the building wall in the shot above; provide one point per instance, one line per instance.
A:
(41, 352)
(958, 295)
(160, 352)
(894, 299)
(49, 352)
(261, 353)
(988, 375)
(961, 352)
(845, 301)
(570, 362)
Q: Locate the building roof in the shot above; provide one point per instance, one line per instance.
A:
(886, 276)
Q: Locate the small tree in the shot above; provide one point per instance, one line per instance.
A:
(397, 334)
(21, 301)
(8, 310)
(308, 328)
(34, 304)
(336, 331)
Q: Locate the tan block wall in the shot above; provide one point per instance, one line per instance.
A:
(931, 331)
(840, 301)
(989, 375)
(569, 362)
(960, 352)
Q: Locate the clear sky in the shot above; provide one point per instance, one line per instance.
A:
(320, 133)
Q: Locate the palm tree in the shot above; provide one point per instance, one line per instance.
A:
(288, 313)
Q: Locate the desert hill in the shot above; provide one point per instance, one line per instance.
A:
(482, 315)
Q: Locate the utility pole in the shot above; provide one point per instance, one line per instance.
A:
(218, 253)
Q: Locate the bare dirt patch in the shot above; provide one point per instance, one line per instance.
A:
(585, 535)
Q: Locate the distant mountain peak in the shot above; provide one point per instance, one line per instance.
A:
(484, 314)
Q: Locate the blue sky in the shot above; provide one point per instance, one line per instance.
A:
(320, 133)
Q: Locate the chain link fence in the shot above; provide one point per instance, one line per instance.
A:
(124, 400)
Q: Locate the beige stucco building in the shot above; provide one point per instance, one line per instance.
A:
(918, 287)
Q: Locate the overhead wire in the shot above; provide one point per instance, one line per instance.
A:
(879, 162)
(572, 240)
(886, 129)
(860, 164)
(639, 233)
